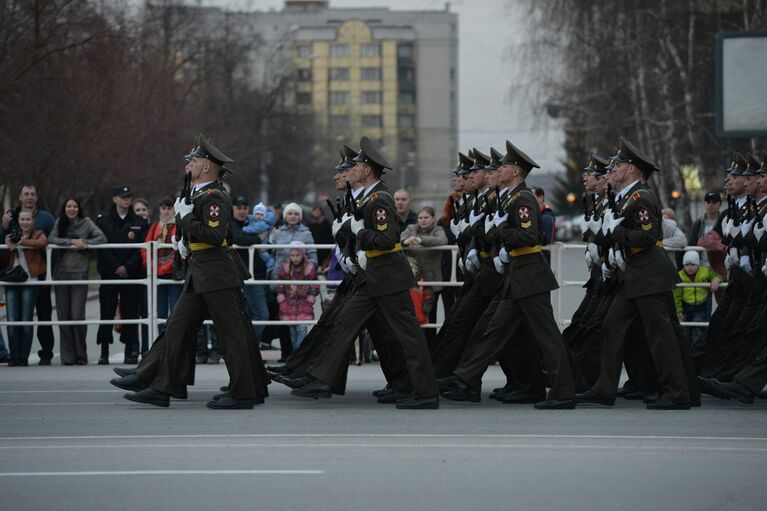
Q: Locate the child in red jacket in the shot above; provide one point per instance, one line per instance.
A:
(297, 301)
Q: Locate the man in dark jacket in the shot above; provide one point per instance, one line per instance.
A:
(255, 295)
(120, 225)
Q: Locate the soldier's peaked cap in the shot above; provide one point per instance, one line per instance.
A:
(464, 164)
(481, 160)
(738, 164)
(752, 165)
(763, 165)
(514, 156)
(495, 159)
(597, 164)
(204, 148)
(369, 153)
(629, 153)
(340, 164)
(348, 155)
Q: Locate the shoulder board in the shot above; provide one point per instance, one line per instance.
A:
(376, 196)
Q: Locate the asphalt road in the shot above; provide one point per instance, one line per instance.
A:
(68, 440)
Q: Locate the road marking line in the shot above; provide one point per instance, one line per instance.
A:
(82, 391)
(159, 472)
(389, 435)
(402, 446)
(56, 404)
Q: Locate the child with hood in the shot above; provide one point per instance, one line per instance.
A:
(296, 302)
(261, 221)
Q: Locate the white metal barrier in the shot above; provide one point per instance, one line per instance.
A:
(151, 282)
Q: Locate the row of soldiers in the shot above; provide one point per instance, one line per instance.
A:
(504, 311)
(733, 364)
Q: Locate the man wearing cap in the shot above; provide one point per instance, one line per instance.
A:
(647, 281)
(213, 288)
(120, 225)
(523, 301)
(381, 288)
(739, 283)
(743, 339)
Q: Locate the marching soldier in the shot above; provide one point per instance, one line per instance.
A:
(213, 287)
(524, 298)
(647, 280)
(381, 289)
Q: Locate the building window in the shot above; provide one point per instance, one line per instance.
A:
(339, 121)
(405, 51)
(371, 73)
(304, 74)
(371, 97)
(406, 98)
(303, 98)
(339, 50)
(339, 97)
(304, 51)
(406, 121)
(339, 73)
(372, 121)
(371, 50)
(406, 74)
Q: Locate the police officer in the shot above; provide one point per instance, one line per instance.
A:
(213, 287)
(647, 280)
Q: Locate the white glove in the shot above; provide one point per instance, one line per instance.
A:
(350, 266)
(498, 219)
(759, 232)
(474, 218)
(584, 225)
(606, 273)
(609, 223)
(174, 242)
(731, 261)
(357, 225)
(764, 269)
(182, 208)
(461, 266)
(362, 259)
(745, 227)
(489, 224)
(342, 264)
(499, 267)
(472, 261)
(503, 255)
(729, 229)
(745, 263)
(462, 225)
(337, 224)
(594, 225)
(611, 257)
(620, 262)
(183, 251)
(455, 228)
(592, 255)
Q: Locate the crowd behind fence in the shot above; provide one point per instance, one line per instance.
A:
(557, 251)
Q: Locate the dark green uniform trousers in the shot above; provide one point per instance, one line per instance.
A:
(226, 307)
(503, 330)
(659, 333)
(396, 311)
(151, 362)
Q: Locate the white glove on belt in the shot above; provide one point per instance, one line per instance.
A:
(499, 267)
(362, 259)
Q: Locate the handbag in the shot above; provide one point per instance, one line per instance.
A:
(14, 274)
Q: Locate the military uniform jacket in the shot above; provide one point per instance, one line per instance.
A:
(216, 266)
(527, 274)
(648, 268)
(486, 279)
(387, 270)
(756, 250)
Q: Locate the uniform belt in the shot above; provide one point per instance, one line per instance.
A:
(375, 253)
(486, 255)
(196, 246)
(636, 250)
(516, 252)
